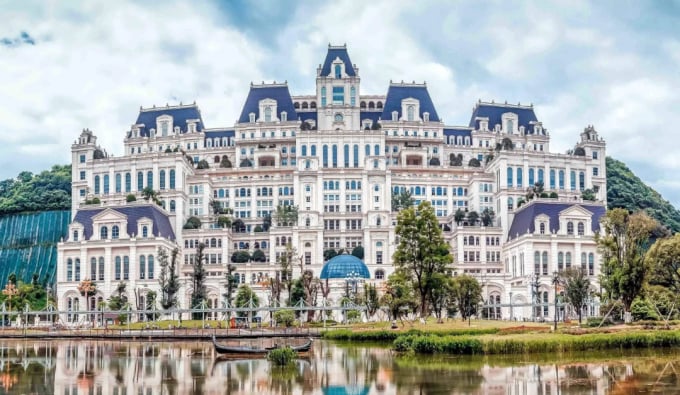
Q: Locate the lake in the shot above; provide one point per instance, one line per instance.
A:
(128, 368)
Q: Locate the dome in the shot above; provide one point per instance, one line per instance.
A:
(342, 266)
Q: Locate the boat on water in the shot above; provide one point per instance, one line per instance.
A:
(232, 350)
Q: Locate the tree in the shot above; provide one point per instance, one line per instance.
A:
(225, 163)
(468, 295)
(623, 242)
(505, 145)
(456, 160)
(193, 223)
(238, 226)
(230, 286)
(358, 252)
(203, 164)
(151, 305)
(487, 216)
(422, 251)
(199, 294)
(149, 194)
(223, 221)
(246, 298)
(310, 287)
(375, 126)
(579, 151)
(663, 262)
(459, 216)
(576, 289)
(588, 195)
(474, 162)
(473, 217)
(259, 256)
(371, 300)
(401, 200)
(329, 254)
(286, 261)
(168, 278)
(441, 294)
(240, 257)
(286, 215)
(118, 300)
(399, 296)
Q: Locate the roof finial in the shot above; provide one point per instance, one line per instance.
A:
(506, 102)
(167, 104)
(262, 82)
(274, 82)
(180, 103)
(329, 44)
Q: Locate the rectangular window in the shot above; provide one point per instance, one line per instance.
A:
(82, 158)
(82, 176)
(338, 95)
(594, 154)
(378, 257)
(82, 193)
(596, 171)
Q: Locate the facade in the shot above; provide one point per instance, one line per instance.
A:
(338, 155)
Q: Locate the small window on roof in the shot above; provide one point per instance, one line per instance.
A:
(284, 116)
(395, 115)
(251, 117)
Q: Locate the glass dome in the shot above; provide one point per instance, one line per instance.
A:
(344, 266)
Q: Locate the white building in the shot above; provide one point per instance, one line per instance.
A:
(338, 155)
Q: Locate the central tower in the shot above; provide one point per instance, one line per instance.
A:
(337, 91)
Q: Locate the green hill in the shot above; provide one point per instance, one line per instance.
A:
(626, 190)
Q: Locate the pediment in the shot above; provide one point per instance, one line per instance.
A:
(109, 215)
(576, 211)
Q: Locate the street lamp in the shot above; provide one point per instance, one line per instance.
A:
(555, 281)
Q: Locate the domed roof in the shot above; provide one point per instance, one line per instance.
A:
(344, 266)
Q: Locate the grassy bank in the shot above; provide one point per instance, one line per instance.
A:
(531, 343)
(387, 335)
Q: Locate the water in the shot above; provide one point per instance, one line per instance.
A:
(71, 367)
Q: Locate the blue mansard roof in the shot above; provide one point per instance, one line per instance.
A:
(398, 92)
(523, 222)
(161, 222)
(309, 116)
(494, 112)
(278, 92)
(455, 132)
(213, 133)
(337, 52)
(342, 266)
(180, 115)
(372, 115)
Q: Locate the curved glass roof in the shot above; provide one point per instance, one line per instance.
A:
(344, 266)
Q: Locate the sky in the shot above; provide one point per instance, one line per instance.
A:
(68, 65)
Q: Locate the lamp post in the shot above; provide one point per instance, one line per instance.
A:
(555, 281)
(535, 284)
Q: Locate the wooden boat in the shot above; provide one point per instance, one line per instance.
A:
(222, 349)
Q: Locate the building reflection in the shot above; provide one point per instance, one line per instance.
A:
(118, 368)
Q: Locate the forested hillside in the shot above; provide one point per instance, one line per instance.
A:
(50, 190)
(626, 190)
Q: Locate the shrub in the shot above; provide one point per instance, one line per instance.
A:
(130, 198)
(284, 317)
(553, 195)
(192, 223)
(281, 356)
(642, 309)
(353, 316)
(223, 222)
(203, 164)
(258, 229)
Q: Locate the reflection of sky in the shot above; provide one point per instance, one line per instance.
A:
(108, 368)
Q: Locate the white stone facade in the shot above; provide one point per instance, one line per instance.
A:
(324, 154)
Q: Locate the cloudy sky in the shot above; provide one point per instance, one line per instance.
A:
(65, 66)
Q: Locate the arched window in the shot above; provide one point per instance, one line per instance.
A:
(323, 96)
(96, 184)
(75, 235)
(145, 231)
(560, 262)
(149, 267)
(117, 268)
(561, 180)
(581, 181)
(541, 228)
(410, 113)
(101, 268)
(378, 221)
(126, 268)
(76, 276)
(552, 178)
(69, 269)
(544, 257)
(313, 150)
(325, 155)
(149, 179)
(172, 206)
(304, 150)
(161, 179)
(583, 262)
(537, 262)
(355, 153)
(119, 183)
(308, 222)
(471, 240)
(519, 177)
(142, 267)
(572, 180)
(104, 233)
(367, 150)
(115, 232)
(172, 179)
(581, 229)
(338, 71)
(567, 260)
(531, 177)
(509, 171)
(140, 180)
(335, 155)
(379, 274)
(540, 175)
(128, 182)
(376, 149)
(591, 264)
(510, 203)
(106, 184)
(509, 126)
(570, 228)
(346, 155)
(267, 114)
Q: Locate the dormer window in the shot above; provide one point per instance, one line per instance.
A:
(483, 125)
(164, 128)
(251, 117)
(75, 235)
(541, 228)
(284, 116)
(509, 126)
(267, 114)
(395, 116)
(426, 117)
(410, 111)
(338, 71)
(145, 231)
(570, 228)
(104, 233)
(115, 232)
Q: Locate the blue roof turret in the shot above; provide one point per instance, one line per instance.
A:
(333, 53)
